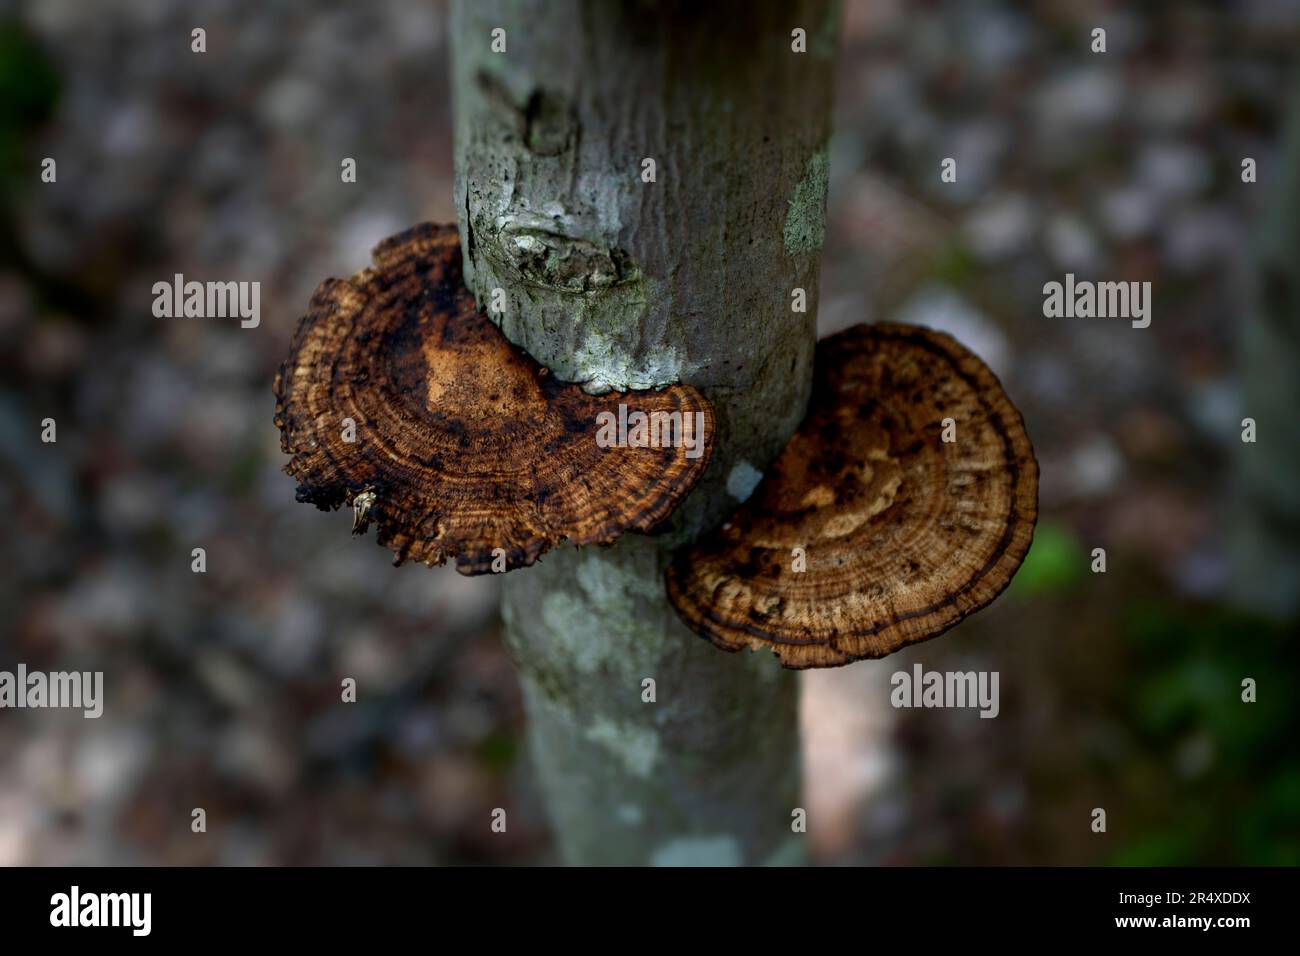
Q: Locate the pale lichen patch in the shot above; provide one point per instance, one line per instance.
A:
(611, 585)
(698, 851)
(577, 636)
(805, 223)
(629, 814)
(603, 364)
(636, 747)
(791, 852)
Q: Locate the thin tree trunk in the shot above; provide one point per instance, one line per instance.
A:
(617, 282)
(1266, 526)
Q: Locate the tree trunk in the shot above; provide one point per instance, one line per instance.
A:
(618, 282)
(1266, 529)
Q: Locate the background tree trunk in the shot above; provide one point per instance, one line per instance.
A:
(621, 283)
(1266, 526)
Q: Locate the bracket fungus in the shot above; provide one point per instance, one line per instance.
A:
(909, 495)
(462, 446)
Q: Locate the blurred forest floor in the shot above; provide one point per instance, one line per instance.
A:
(1119, 690)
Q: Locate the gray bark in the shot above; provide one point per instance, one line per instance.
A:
(619, 283)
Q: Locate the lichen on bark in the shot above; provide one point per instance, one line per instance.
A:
(805, 223)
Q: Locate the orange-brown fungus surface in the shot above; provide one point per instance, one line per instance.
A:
(899, 534)
(463, 444)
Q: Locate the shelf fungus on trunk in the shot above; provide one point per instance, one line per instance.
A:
(400, 399)
(905, 501)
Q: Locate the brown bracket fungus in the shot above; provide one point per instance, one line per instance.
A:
(462, 445)
(906, 522)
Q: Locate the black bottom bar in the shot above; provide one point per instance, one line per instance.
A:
(330, 907)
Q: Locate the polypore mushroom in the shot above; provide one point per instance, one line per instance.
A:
(401, 399)
(905, 501)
